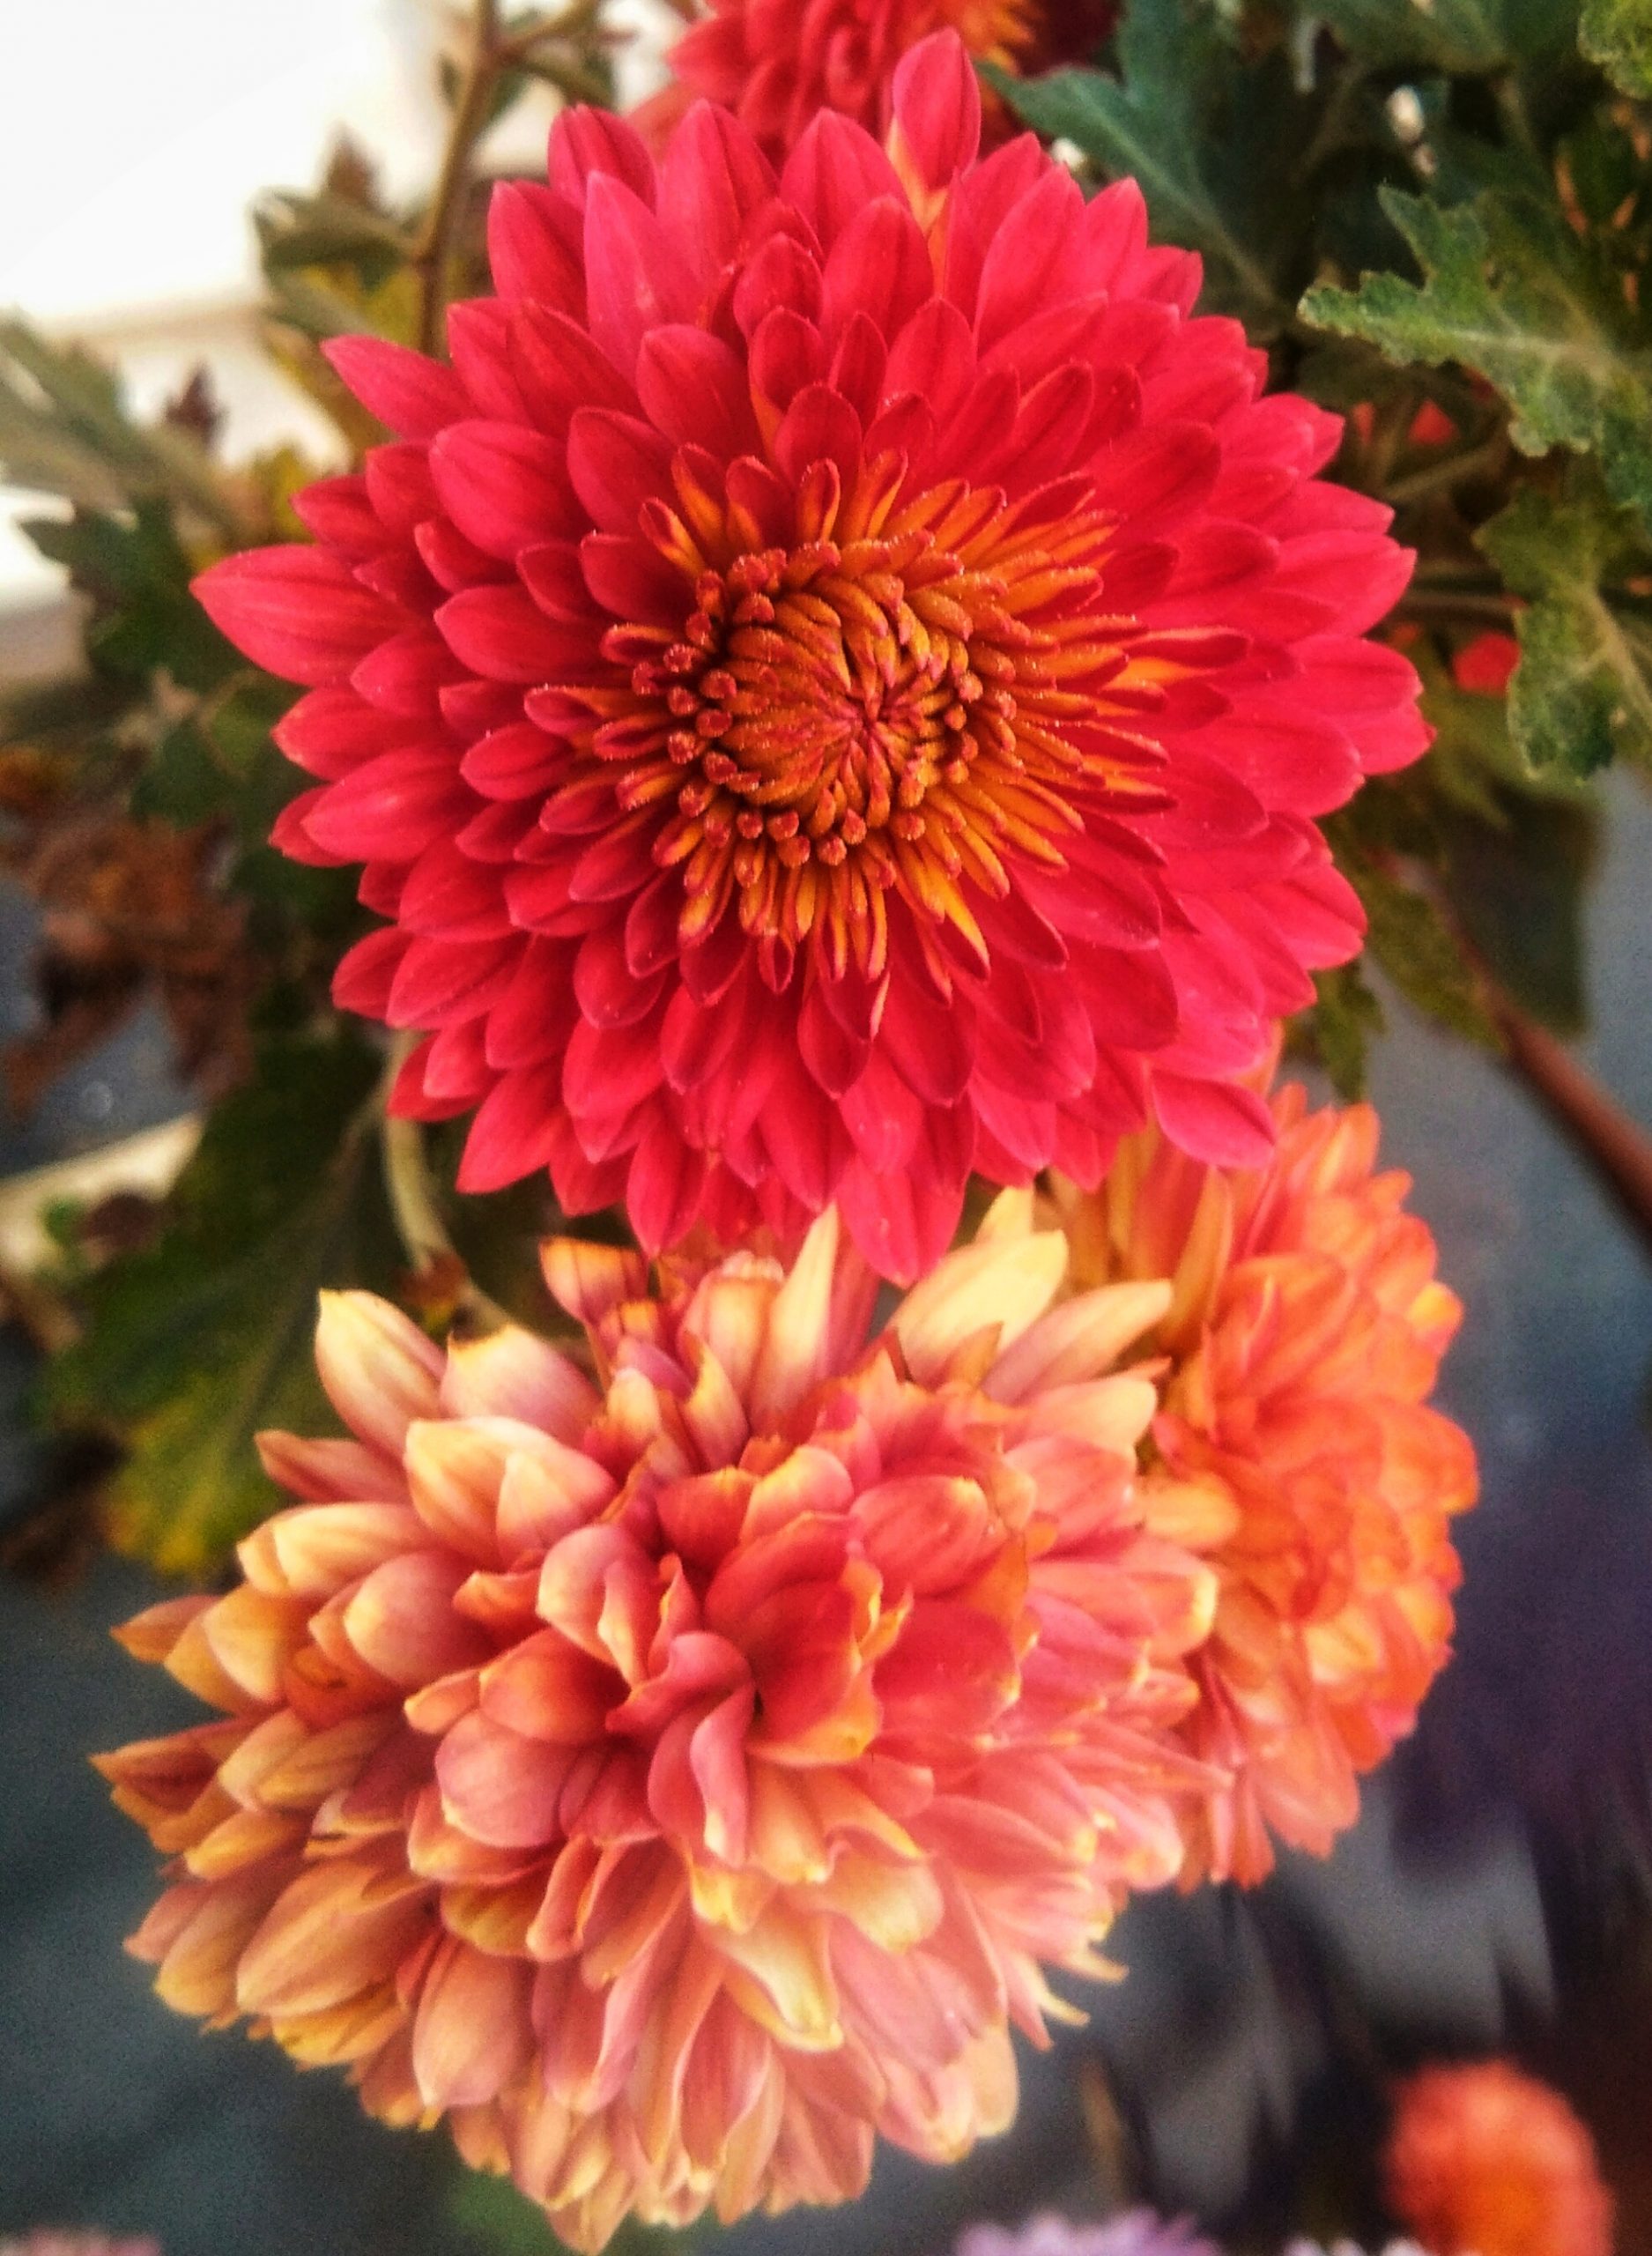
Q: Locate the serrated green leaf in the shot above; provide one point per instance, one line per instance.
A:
(1510, 292)
(1618, 35)
(1470, 37)
(1211, 138)
(1582, 692)
(194, 1344)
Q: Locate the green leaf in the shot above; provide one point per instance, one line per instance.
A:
(326, 230)
(1517, 889)
(134, 570)
(1211, 140)
(1338, 1031)
(1470, 37)
(195, 1344)
(1511, 292)
(64, 429)
(1411, 942)
(1582, 692)
(1618, 35)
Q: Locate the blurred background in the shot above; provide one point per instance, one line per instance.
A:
(1494, 1894)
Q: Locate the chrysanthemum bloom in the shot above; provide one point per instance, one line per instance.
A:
(1483, 2161)
(835, 685)
(1139, 2232)
(676, 1780)
(1296, 1449)
(777, 64)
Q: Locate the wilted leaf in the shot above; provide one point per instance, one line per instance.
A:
(1618, 35)
(1212, 139)
(195, 1344)
(1583, 688)
(1511, 292)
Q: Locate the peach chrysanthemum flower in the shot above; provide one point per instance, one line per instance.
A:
(677, 1779)
(1295, 1449)
(1483, 2161)
(777, 64)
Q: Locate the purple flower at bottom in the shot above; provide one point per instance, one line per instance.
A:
(1138, 2232)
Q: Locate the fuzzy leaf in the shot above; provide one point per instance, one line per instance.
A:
(198, 1342)
(1582, 691)
(1618, 35)
(1510, 291)
(1211, 140)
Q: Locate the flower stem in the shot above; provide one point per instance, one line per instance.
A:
(1618, 1149)
(426, 1239)
(470, 117)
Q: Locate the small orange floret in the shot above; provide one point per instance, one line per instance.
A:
(1483, 2161)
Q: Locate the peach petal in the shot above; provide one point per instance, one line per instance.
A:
(315, 1550)
(253, 1636)
(550, 1691)
(514, 1373)
(343, 2033)
(198, 1966)
(928, 1531)
(402, 1623)
(501, 1789)
(793, 1356)
(472, 2034)
(325, 1939)
(545, 1495)
(379, 1370)
(1005, 1281)
(154, 1634)
(780, 1970)
(331, 1472)
(249, 1836)
(1082, 1338)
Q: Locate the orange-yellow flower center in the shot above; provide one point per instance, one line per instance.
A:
(883, 707)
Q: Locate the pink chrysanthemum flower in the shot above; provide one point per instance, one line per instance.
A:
(775, 63)
(833, 687)
(1296, 1450)
(1483, 2161)
(676, 1780)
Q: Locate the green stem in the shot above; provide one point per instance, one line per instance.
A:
(426, 1239)
(470, 117)
(1449, 603)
